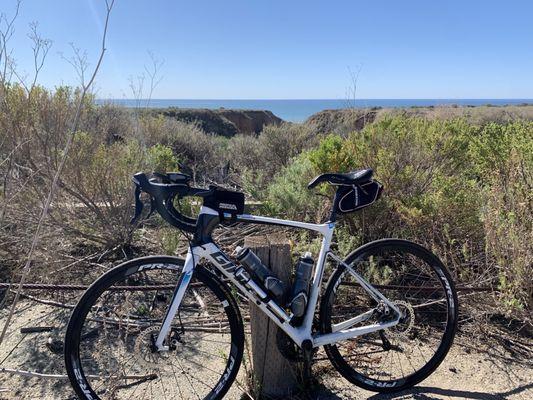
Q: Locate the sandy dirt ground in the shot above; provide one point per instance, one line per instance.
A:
(471, 370)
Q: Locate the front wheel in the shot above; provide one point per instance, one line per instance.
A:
(110, 339)
(418, 283)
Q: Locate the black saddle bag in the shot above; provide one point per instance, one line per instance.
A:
(352, 198)
(229, 204)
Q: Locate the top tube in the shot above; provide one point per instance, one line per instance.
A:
(321, 228)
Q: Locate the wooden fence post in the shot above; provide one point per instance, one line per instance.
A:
(274, 376)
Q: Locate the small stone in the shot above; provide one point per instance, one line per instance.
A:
(453, 369)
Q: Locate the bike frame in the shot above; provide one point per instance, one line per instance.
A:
(303, 332)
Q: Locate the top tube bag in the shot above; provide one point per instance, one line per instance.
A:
(352, 198)
(229, 204)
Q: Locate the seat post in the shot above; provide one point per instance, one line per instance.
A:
(334, 209)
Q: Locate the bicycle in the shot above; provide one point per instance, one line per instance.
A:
(163, 327)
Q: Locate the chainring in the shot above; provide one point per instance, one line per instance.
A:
(290, 350)
(286, 346)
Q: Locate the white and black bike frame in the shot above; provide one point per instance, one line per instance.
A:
(304, 331)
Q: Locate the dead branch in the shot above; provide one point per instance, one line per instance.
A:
(37, 329)
(41, 47)
(32, 374)
(5, 36)
(44, 213)
(46, 302)
(152, 73)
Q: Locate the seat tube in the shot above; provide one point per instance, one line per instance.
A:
(318, 276)
(177, 297)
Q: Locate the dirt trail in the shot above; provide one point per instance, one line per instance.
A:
(471, 371)
(465, 374)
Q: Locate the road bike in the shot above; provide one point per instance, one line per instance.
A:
(163, 327)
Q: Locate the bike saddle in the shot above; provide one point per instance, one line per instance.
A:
(349, 178)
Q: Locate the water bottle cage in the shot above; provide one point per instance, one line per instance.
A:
(306, 299)
(242, 275)
(245, 278)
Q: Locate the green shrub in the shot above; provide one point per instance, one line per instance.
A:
(267, 154)
(200, 154)
(162, 159)
(288, 194)
(504, 155)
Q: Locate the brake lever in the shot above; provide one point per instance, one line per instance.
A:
(138, 205)
(152, 207)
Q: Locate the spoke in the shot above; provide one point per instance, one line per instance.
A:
(176, 379)
(187, 377)
(163, 386)
(399, 362)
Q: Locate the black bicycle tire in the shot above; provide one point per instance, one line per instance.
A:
(334, 355)
(219, 288)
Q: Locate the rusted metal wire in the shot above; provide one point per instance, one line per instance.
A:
(44, 286)
(428, 288)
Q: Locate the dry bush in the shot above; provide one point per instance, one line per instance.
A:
(112, 123)
(201, 154)
(506, 152)
(481, 115)
(509, 233)
(341, 122)
(279, 144)
(94, 197)
(243, 152)
(255, 160)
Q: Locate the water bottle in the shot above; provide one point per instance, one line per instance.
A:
(300, 288)
(254, 266)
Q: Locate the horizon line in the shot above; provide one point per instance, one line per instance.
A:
(321, 99)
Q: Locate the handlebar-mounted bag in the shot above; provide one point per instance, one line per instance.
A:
(229, 204)
(352, 198)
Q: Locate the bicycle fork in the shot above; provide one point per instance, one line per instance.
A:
(177, 297)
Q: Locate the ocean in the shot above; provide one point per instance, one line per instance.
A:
(300, 110)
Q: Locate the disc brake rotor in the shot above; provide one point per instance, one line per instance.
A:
(144, 345)
(407, 321)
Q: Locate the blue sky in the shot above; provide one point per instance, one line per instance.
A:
(270, 49)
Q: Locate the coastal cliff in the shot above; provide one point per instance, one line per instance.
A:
(344, 121)
(224, 122)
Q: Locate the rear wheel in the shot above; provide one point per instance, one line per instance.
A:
(417, 282)
(109, 344)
